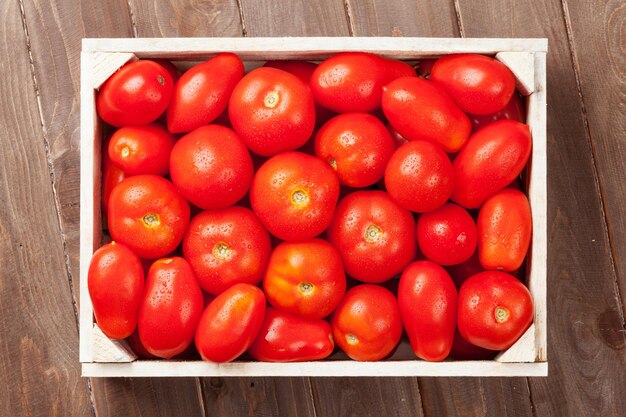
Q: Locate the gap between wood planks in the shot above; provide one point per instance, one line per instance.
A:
(596, 178)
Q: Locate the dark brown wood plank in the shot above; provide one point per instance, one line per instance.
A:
(586, 338)
(39, 369)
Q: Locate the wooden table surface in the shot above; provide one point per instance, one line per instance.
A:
(40, 44)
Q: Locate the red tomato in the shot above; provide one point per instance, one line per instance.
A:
(353, 81)
(135, 344)
(479, 84)
(294, 195)
(169, 67)
(115, 282)
(419, 110)
(305, 279)
(137, 94)
(398, 139)
(367, 324)
(211, 167)
(111, 176)
(287, 338)
(357, 146)
(464, 351)
(272, 110)
(425, 67)
(419, 176)
(461, 272)
(147, 214)
(447, 235)
(504, 230)
(495, 309)
(374, 235)
(230, 323)
(514, 110)
(171, 308)
(142, 149)
(226, 247)
(428, 305)
(202, 93)
(494, 156)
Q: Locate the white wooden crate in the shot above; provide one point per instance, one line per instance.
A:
(102, 57)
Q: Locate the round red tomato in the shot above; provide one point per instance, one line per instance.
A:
(479, 84)
(137, 94)
(294, 195)
(420, 110)
(492, 159)
(514, 110)
(171, 308)
(428, 303)
(115, 282)
(147, 214)
(202, 93)
(111, 176)
(272, 110)
(305, 278)
(211, 167)
(357, 146)
(142, 149)
(419, 176)
(230, 323)
(495, 309)
(447, 235)
(226, 247)
(367, 324)
(374, 235)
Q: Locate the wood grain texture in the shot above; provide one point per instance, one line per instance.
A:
(39, 373)
(586, 338)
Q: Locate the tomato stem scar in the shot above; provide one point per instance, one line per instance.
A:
(222, 251)
(299, 197)
(125, 151)
(151, 220)
(271, 99)
(306, 288)
(373, 233)
(161, 79)
(333, 163)
(352, 339)
(502, 314)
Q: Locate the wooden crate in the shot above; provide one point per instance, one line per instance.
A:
(102, 57)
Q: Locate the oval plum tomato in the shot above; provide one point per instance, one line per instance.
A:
(428, 303)
(367, 324)
(147, 214)
(111, 176)
(447, 235)
(272, 110)
(202, 93)
(305, 278)
(495, 309)
(171, 308)
(479, 84)
(294, 195)
(492, 159)
(419, 176)
(288, 338)
(137, 94)
(115, 282)
(230, 323)
(504, 230)
(425, 67)
(353, 81)
(420, 110)
(357, 146)
(142, 149)
(211, 167)
(465, 351)
(226, 247)
(514, 110)
(374, 235)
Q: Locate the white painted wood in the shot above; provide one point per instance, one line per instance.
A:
(109, 350)
(522, 65)
(104, 64)
(522, 351)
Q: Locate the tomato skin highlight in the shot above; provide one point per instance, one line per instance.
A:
(428, 304)
(419, 110)
(226, 247)
(504, 230)
(230, 323)
(202, 92)
(137, 94)
(495, 309)
(305, 278)
(138, 150)
(492, 159)
(171, 308)
(367, 324)
(479, 84)
(287, 338)
(115, 281)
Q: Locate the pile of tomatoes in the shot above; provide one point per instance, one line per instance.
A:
(273, 212)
